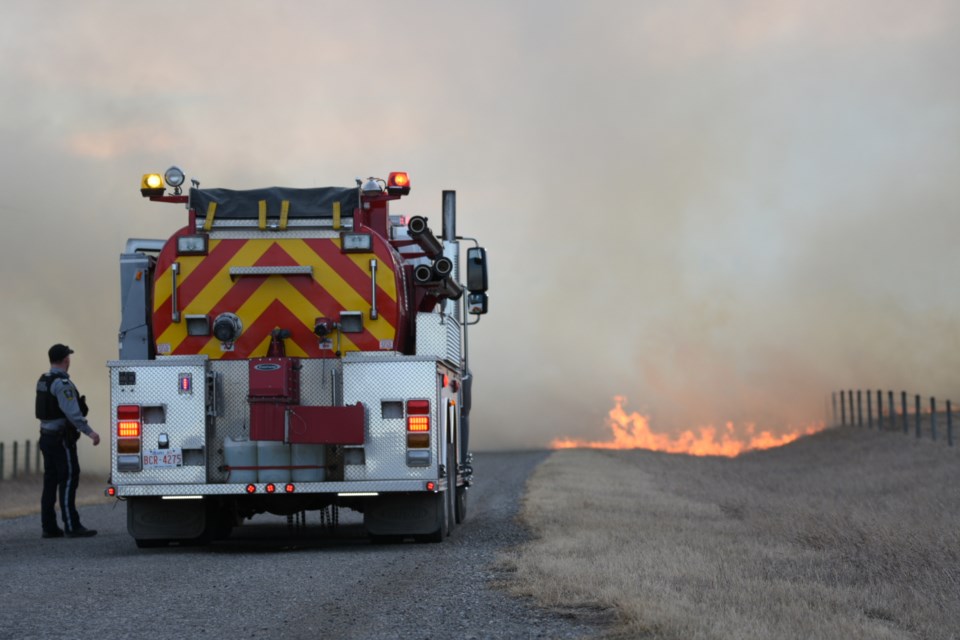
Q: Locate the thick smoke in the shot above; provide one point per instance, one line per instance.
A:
(722, 212)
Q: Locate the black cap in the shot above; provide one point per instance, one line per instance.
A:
(58, 352)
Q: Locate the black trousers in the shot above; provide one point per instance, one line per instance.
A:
(61, 473)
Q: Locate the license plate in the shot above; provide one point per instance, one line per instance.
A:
(160, 458)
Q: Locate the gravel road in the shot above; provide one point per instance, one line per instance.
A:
(263, 583)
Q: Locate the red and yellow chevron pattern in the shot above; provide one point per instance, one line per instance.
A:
(340, 282)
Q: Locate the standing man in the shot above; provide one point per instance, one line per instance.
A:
(62, 413)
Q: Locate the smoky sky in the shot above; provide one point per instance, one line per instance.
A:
(720, 210)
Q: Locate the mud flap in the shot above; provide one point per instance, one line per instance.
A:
(404, 514)
(156, 519)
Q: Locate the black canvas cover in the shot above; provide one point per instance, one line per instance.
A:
(304, 203)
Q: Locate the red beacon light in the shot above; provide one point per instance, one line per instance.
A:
(398, 183)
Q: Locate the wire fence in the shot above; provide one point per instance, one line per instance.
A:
(924, 420)
(19, 459)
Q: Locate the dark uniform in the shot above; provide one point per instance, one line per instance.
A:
(62, 414)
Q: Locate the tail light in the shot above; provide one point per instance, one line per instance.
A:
(418, 415)
(418, 433)
(129, 432)
(128, 421)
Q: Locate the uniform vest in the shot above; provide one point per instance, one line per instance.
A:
(47, 406)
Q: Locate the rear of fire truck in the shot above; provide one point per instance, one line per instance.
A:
(294, 349)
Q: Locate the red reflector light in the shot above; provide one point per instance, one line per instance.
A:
(446, 380)
(128, 412)
(128, 429)
(418, 407)
(431, 485)
(251, 488)
(289, 488)
(418, 423)
(271, 488)
(111, 491)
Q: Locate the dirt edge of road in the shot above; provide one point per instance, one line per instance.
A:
(21, 496)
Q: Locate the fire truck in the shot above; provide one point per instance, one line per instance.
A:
(294, 350)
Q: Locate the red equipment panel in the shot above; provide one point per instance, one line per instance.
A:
(326, 425)
(275, 380)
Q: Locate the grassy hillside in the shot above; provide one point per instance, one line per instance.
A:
(846, 534)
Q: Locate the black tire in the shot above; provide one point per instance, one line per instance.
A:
(444, 529)
(151, 544)
(450, 493)
(461, 509)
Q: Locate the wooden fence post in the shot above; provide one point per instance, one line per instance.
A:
(15, 459)
(917, 413)
(933, 417)
(949, 425)
(2, 458)
(903, 405)
(843, 409)
(893, 409)
(879, 409)
(859, 408)
(833, 396)
(26, 457)
(869, 410)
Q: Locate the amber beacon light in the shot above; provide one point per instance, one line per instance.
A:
(151, 184)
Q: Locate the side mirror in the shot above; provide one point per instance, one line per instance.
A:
(476, 269)
(477, 303)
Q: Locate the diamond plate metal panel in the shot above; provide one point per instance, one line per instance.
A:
(370, 382)
(438, 335)
(382, 486)
(183, 415)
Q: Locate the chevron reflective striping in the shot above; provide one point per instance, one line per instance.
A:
(263, 303)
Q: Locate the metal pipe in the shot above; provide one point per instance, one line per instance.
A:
(373, 292)
(423, 236)
(450, 216)
(174, 272)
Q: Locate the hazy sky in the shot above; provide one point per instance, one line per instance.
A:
(722, 210)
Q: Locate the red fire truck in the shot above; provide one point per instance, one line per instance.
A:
(294, 349)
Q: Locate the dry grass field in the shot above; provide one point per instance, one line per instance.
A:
(843, 535)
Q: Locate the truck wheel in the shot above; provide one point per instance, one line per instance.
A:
(451, 488)
(443, 530)
(461, 505)
(150, 544)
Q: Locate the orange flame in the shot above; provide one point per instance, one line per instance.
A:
(632, 431)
